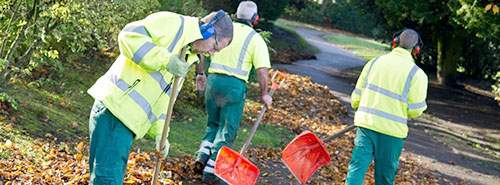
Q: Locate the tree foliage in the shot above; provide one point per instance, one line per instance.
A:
(46, 35)
(461, 35)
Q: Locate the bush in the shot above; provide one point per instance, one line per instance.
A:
(46, 35)
(309, 13)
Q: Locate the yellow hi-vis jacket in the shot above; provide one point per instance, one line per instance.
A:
(390, 88)
(136, 89)
(247, 49)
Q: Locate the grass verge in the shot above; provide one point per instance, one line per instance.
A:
(61, 111)
(366, 48)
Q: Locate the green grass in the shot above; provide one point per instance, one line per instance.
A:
(299, 44)
(365, 48)
(289, 23)
(41, 112)
(185, 138)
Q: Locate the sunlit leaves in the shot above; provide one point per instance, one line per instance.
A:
(492, 7)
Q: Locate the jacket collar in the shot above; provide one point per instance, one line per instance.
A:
(402, 52)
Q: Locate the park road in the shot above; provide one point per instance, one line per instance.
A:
(331, 68)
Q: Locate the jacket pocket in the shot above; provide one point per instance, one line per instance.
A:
(136, 82)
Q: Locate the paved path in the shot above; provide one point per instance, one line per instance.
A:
(330, 68)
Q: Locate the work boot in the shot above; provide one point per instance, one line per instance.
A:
(211, 179)
(199, 164)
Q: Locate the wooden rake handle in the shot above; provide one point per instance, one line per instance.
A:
(274, 87)
(171, 102)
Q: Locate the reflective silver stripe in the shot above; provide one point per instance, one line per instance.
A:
(163, 117)
(243, 51)
(406, 90)
(386, 92)
(238, 70)
(177, 36)
(144, 104)
(138, 98)
(161, 81)
(122, 84)
(204, 150)
(211, 162)
(228, 69)
(417, 105)
(209, 169)
(140, 29)
(142, 51)
(368, 73)
(357, 91)
(206, 144)
(383, 114)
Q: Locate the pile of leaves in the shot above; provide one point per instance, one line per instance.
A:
(300, 105)
(289, 55)
(64, 163)
(303, 105)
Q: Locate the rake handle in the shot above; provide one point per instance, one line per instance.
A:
(263, 109)
(343, 131)
(255, 125)
(171, 102)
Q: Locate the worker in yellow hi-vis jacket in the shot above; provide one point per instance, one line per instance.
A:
(131, 98)
(390, 88)
(226, 87)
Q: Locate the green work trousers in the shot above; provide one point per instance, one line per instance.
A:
(110, 143)
(225, 99)
(384, 149)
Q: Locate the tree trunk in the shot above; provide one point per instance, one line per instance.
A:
(324, 3)
(449, 49)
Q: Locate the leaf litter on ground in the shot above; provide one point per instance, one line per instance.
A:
(299, 105)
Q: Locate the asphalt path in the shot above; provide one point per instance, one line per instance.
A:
(331, 68)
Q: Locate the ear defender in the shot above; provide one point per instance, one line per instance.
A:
(416, 49)
(395, 42)
(255, 19)
(207, 29)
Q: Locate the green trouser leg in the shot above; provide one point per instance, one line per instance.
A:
(225, 99)
(384, 149)
(110, 143)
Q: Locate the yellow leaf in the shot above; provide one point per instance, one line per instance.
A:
(75, 124)
(488, 7)
(79, 147)
(78, 157)
(495, 9)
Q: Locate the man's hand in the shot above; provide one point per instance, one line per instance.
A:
(163, 151)
(268, 100)
(176, 66)
(201, 81)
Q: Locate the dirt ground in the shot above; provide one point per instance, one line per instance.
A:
(459, 134)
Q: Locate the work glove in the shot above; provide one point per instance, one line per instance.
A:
(201, 81)
(163, 151)
(176, 66)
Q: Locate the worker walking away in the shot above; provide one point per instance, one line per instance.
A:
(226, 87)
(131, 99)
(390, 88)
